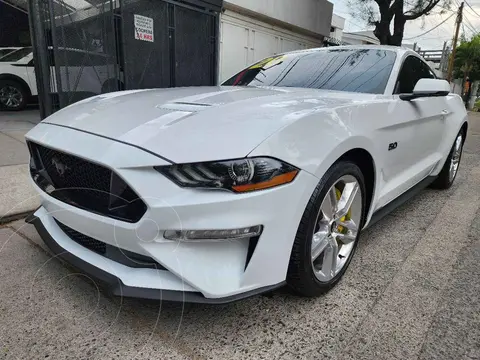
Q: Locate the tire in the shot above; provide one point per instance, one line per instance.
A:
(302, 275)
(13, 95)
(445, 179)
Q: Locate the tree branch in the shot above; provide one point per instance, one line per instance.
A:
(394, 8)
(415, 14)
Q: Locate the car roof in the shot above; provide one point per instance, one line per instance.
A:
(400, 50)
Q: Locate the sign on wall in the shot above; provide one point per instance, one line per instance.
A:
(143, 28)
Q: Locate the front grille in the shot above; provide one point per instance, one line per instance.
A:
(84, 240)
(111, 252)
(84, 184)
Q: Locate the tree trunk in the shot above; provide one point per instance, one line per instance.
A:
(382, 27)
(397, 37)
(398, 25)
(382, 32)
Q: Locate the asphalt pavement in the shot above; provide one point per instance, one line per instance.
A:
(411, 292)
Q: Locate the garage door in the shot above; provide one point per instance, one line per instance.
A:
(245, 40)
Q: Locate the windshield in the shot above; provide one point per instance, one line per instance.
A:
(16, 55)
(357, 70)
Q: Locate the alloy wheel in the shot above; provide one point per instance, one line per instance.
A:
(456, 155)
(10, 97)
(337, 227)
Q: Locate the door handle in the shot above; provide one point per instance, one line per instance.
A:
(444, 112)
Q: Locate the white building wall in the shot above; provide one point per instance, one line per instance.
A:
(360, 38)
(245, 40)
(338, 24)
(312, 15)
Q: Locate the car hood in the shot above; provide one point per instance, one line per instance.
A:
(198, 123)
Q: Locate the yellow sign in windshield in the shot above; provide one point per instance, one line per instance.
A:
(268, 62)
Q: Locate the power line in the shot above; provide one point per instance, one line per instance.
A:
(349, 21)
(469, 12)
(355, 24)
(433, 23)
(471, 8)
(474, 32)
(445, 8)
(437, 37)
(458, 21)
(426, 32)
(468, 23)
(470, 26)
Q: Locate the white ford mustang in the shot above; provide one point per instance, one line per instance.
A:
(213, 194)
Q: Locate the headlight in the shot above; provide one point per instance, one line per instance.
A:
(240, 176)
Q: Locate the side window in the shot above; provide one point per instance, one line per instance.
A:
(413, 69)
(427, 73)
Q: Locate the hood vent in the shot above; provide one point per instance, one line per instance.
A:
(184, 106)
(189, 103)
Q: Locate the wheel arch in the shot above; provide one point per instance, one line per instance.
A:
(364, 160)
(464, 128)
(448, 144)
(17, 79)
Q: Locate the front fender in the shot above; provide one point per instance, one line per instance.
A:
(314, 145)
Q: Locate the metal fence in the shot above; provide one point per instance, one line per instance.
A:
(84, 48)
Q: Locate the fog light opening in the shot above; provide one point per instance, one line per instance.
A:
(222, 234)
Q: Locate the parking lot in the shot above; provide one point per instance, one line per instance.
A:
(411, 292)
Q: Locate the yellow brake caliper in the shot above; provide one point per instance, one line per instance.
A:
(347, 217)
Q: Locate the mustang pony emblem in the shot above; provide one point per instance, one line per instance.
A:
(60, 167)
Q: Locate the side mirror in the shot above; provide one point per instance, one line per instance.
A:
(428, 88)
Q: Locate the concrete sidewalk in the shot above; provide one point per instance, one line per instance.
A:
(16, 193)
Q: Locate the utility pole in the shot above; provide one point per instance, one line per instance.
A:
(454, 45)
(443, 58)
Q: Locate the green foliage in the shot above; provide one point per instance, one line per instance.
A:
(467, 59)
(476, 107)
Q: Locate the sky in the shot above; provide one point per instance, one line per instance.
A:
(434, 39)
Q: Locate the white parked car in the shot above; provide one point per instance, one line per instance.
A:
(213, 194)
(17, 79)
(7, 50)
(82, 74)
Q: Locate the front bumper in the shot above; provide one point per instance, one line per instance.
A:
(197, 271)
(115, 285)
